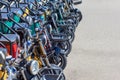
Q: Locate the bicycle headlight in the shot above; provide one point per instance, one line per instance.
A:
(33, 67)
(29, 20)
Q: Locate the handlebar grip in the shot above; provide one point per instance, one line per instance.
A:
(77, 2)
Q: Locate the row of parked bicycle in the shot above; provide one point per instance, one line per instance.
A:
(36, 37)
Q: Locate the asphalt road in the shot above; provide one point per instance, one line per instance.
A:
(96, 49)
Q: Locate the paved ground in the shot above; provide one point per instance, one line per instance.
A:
(96, 49)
